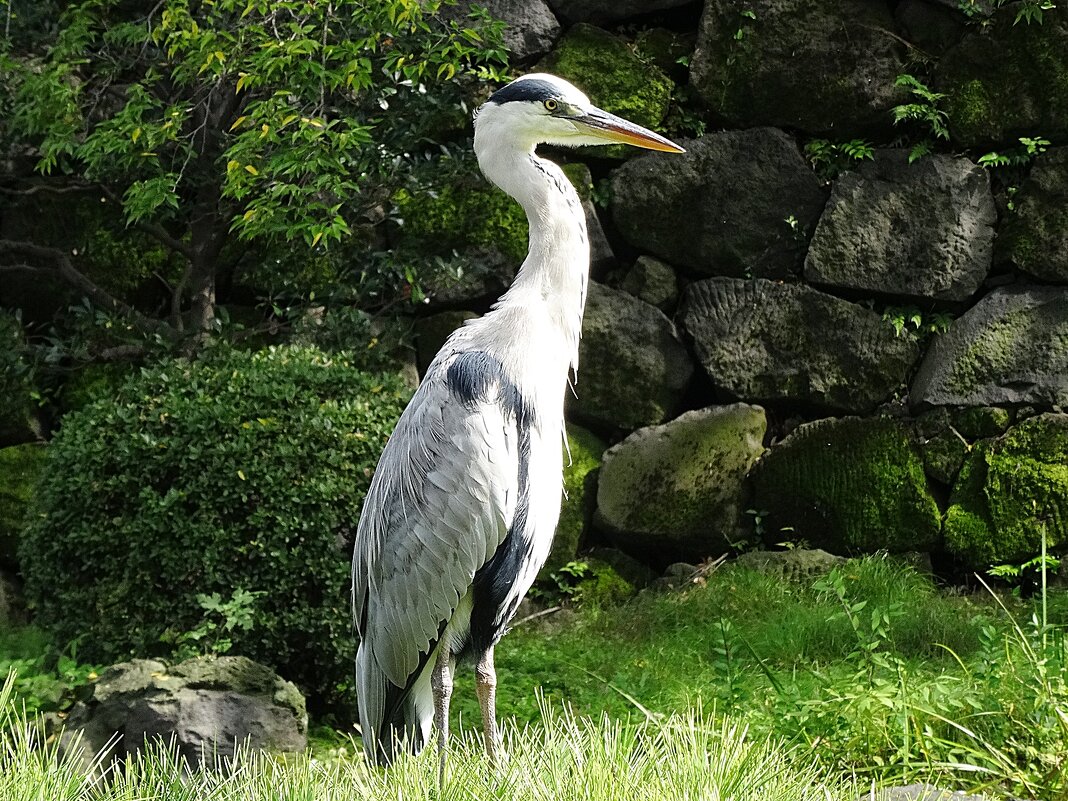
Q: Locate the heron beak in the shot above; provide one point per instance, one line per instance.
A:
(611, 128)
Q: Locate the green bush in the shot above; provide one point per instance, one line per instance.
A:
(239, 471)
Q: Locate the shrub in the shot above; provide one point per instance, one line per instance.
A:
(238, 471)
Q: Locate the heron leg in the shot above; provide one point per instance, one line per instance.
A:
(486, 689)
(441, 686)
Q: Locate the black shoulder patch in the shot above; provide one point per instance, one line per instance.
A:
(473, 375)
(529, 89)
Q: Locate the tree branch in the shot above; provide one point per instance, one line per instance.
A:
(61, 265)
(156, 231)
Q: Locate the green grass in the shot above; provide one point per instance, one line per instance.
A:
(871, 669)
(563, 758)
(869, 672)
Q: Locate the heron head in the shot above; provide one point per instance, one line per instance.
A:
(541, 108)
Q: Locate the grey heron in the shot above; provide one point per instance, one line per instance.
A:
(463, 505)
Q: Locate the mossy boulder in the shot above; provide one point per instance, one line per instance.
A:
(978, 422)
(1008, 80)
(205, 707)
(1008, 490)
(947, 436)
(612, 75)
(20, 468)
(849, 485)
(944, 447)
(576, 510)
(676, 491)
(1034, 236)
(820, 66)
(460, 216)
(1011, 348)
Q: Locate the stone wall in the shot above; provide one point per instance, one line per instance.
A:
(841, 318)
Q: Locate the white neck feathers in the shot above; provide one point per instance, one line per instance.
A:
(556, 269)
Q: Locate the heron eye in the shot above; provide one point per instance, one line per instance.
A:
(551, 105)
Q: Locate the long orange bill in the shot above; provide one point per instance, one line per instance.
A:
(616, 129)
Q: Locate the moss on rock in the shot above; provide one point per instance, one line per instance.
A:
(613, 76)
(20, 467)
(1035, 236)
(579, 491)
(441, 219)
(602, 586)
(821, 67)
(848, 485)
(1008, 80)
(1009, 488)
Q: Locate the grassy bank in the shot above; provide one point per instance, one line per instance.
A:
(869, 672)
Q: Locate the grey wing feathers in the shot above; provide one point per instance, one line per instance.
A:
(439, 505)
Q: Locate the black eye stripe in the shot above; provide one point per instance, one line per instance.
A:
(525, 90)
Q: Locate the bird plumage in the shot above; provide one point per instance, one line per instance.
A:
(462, 508)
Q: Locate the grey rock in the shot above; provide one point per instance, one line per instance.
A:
(654, 282)
(921, 230)
(944, 447)
(1006, 80)
(530, 27)
(609, 10)
(1010, 348)
(679, 570)
(724, 207)
(677, 490)
(1035, 236)
(797, 564)
(932, 26)
(761, 341)
(826, 67)
(633, 369)
(208, 706)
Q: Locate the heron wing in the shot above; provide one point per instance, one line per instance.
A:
(440, 504)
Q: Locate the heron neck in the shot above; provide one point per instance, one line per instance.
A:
(556, 269)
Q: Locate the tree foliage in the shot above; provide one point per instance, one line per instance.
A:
(210, 121)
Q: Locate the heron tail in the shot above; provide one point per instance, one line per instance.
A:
(393, 720)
